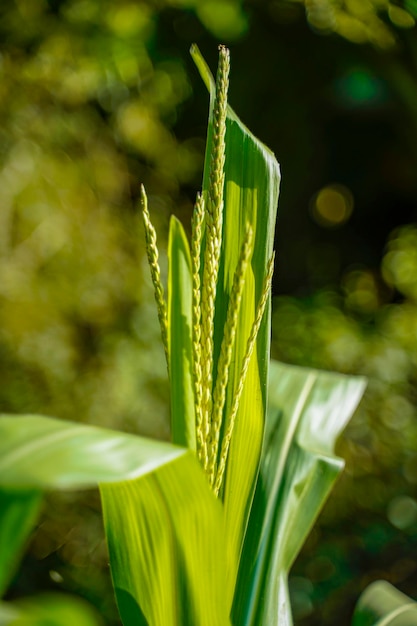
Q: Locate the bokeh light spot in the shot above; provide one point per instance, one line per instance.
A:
(351, 28)
(400, 17)
(402, 512)
(399, 266)
(332, 206)
(130, 19)
(361, 291)
(320, 15)
(224, 18)
(358, 87)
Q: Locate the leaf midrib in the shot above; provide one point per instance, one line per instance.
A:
(35, 445)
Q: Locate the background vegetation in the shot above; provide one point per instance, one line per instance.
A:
(96, 97)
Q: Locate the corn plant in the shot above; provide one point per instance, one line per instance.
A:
(381, 604)
(201, 531)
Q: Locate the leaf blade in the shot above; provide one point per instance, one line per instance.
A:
(18, 514)
(180, 337)
(381, 604)
(81, 455)
(307, 411)
(43, 453)
(176, 566)
(250, 197)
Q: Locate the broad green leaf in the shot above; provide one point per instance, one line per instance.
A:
(19, 511)
(173, 554)
(38, 452)
(179, 337)
(164, 525)
(250, 196)
(49, 609)
(307, 411)
(381, 604)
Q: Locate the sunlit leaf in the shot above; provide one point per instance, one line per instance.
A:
(164, 525)
(179, 337)
(307, 411)
(172, 556)
(381, 604)
(250, 196)
(45, 453)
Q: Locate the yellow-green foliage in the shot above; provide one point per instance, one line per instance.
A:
(213, 425)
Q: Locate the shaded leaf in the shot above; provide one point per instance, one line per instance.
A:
(19, 511)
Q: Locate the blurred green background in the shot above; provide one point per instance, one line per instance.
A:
(99, 96)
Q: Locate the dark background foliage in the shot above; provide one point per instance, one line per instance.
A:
(96, 97)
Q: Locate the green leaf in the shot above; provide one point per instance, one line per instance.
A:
(19, 511)
(307, 411)
(49, 609)
(173, 554)
(164, 525)
(381, 604)
(180, 338)
(250, 196)
(38, 452)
